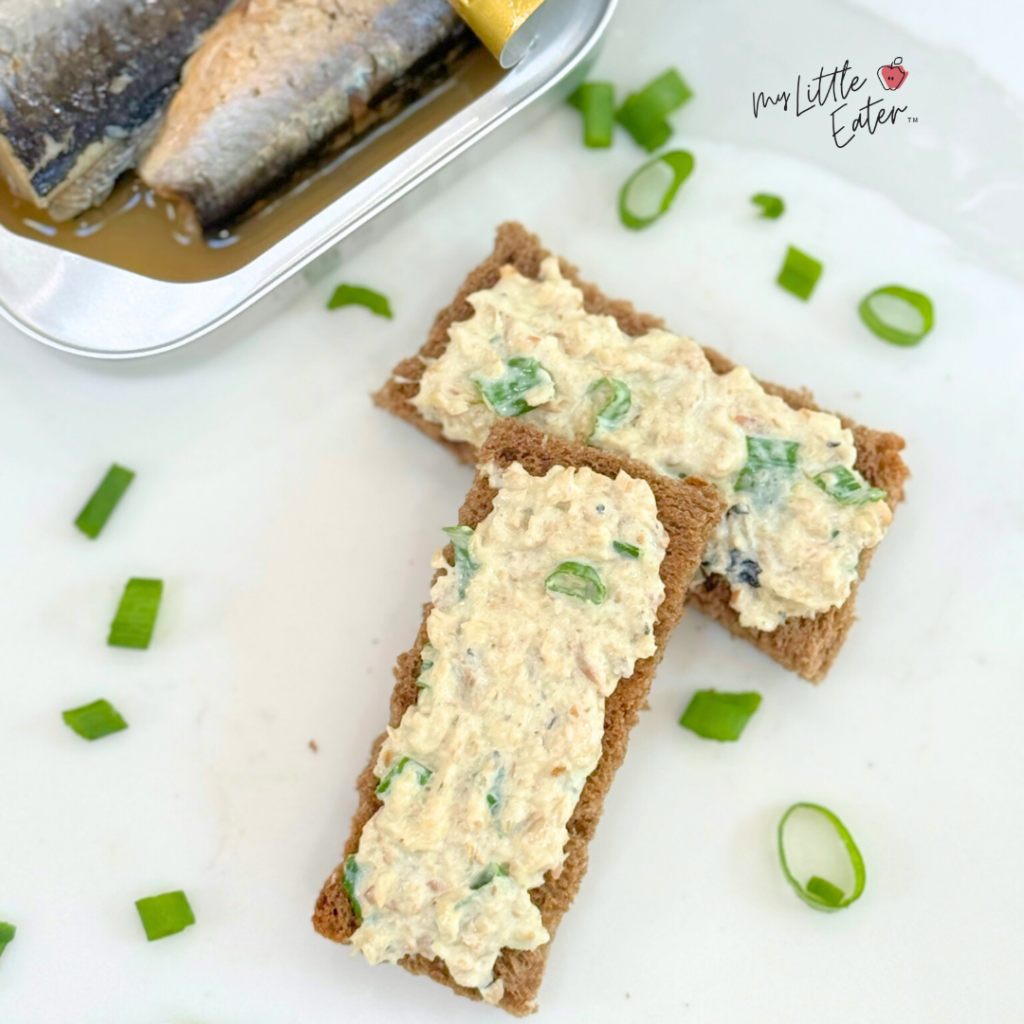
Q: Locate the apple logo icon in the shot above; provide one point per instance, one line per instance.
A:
(893, 75)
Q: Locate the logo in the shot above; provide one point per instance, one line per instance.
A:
(893, 75)
(836, 89)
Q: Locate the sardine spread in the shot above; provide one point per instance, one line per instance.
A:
(550, 603)
(799, 514)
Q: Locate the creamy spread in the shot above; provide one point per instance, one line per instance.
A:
(799, 513)
(551, 601)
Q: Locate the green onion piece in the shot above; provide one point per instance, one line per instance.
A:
(136, 615)
(719, 716)
(427, 658)
(464, 564)
(488, 874)
(348, 882)
(897, 314)
(577, 580)
(7, 933)
(495, 792)
(649, 191)
(397, 768)
(800, 273)
(96, 720)
(506, 395)
(644, 114)
(353, 295)
(819, 893)
(596, 101)
(165, 915)
(94, 516)
(629, 550)
(771, 206)
(613, 402)
(767, 458)
(846, 488)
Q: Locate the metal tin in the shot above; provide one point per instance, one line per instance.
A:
(89, 308)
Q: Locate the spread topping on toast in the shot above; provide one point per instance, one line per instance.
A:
(550, 602)
(799, 515)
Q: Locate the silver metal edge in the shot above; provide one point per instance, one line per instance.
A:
(87, 308)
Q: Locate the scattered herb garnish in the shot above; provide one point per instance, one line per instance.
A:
(96, 720)
(98, 508)
(629, 550)
(843, 486)
(819, 892)
(596, 101)
(799, 273)
(354, 295)
(7, 933)
(644, 114)
(719, 716)
(897, 314)
(165, 915)
(422, 773)
(136, 615)
(349, 877)
(771, 206)
(505, 396)
(650, 190)
(577, 580)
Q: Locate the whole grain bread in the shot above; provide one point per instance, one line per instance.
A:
(689, 511)
(807, 646)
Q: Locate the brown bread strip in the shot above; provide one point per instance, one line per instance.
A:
(689, 510)
(807, 646)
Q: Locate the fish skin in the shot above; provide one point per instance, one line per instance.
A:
(273, 82)
(83, 85)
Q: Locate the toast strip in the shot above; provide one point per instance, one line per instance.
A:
(807, 645)
(689, 511)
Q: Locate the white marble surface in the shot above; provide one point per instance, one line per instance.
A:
(293, 525)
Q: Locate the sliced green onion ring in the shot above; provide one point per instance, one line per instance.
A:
(488, 874)
(577, 580)
(98, 508)
(596, 101)
(427, 658)
(799, 273)
(771, 206)
(769, 460)
(844, 487)
(349, 877)
(422, 773)
(165, 915)
(7, 933)
(629, 550)
(644, 114)
(650, 190)
(613, 402)
(354, 295)
(505, 396)
(94, 721)
(719, 716)
(819, 892)
(464, 564)
(897, 314)
(136, 614)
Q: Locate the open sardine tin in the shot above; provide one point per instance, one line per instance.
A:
(79, 304)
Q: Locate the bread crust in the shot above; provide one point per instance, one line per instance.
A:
(808, 645)
(689, 510)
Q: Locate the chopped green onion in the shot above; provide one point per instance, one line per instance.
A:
(819, 892)
(629, 550)
(165, 915)
(488, 874)
(348, 882)
(464, 564)
(649, 191)
(613, 402)
(800, 273)
(494, 794)
(422, 772)
(767, 459)
(427, 658)
(7, 933)
(506, 395)
(719, 716)
(353, 295)
(96, 720)
(596, 101)
(771, 206)
(136, 615)
(94, 516)
(644, 113)
(577, 580)
(897, 314)
(845, 487)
